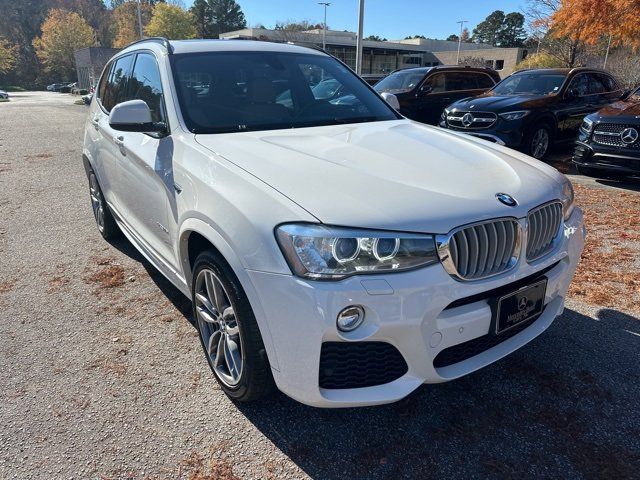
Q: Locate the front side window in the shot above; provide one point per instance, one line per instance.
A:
(115, 90)
(401, 81)
(437, 83)
(247, 91)
(145, 84)
(580, 85)
(530, 84)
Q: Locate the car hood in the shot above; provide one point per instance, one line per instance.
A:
(499, 103)
(621, 109)
(393, 175)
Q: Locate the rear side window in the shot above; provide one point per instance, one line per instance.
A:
(596, 84)
(145, 84)
(115, 90)
(461, 81)
(609, 83)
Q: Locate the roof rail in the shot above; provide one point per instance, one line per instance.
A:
(161, 40)
(312, 46)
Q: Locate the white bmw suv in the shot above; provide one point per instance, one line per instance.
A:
(331, 247)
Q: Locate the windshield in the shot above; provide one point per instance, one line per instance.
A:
(401, 81)
(530, 84)
(248, 91)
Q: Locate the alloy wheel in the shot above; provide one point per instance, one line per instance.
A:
(540, 143)
(97, 203)
(218, 327)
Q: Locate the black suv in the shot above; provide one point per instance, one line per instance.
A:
(532, 109)
(423, 92)
(609, 140)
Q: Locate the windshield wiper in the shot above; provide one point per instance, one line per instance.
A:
(355, 120)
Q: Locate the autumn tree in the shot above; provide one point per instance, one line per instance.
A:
(62, 34)
(8, 54)
(466, 37)
(172, 22)
(125, 22)
(94, 13)
(570, 51)
(591, 20)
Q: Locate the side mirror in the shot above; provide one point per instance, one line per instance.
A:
(391, 99)
(134, 116)
(425, 89)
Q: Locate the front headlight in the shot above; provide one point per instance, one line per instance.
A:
(443, 118)
(514, 115)
(332, 253)
(567, 198)
(587, 125)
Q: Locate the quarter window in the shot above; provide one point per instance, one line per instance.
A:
(145, 84)
(103, 81)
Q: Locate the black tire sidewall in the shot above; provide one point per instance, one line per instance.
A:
(244, 316)
(110, 230)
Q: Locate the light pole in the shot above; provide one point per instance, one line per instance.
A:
(461, 22)
(359, 40)
(324, 25)
(139, 19)
(606, 55)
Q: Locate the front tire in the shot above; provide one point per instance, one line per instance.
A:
(228, 330)
(538, 142)
(105, 222)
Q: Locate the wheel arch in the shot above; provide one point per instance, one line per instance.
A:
(546, 119)
(196, 236)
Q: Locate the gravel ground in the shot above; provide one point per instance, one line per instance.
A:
(102, 375)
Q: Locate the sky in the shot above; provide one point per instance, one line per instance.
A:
(392, 19)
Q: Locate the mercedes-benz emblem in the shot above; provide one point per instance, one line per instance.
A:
(467, 119)
(506, 199)
(522, 303)
(628, 135)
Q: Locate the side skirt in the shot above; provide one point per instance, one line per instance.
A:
(149, 253)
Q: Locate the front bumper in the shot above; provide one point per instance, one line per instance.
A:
(504, 133)
(612, 159)
(407, 310)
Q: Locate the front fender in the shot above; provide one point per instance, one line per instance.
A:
(195, 225)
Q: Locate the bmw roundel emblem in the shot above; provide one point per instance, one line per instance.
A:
(506, 199)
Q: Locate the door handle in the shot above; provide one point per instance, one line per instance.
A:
(95, 122)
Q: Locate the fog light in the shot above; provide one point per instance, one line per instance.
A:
(350, 318)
